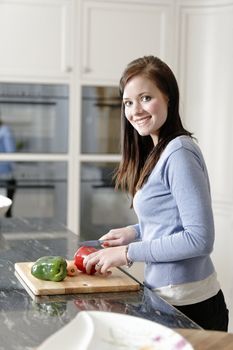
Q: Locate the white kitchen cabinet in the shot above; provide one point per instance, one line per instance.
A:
(116, 32)
(35, 40)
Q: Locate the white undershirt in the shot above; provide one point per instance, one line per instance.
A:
(190, 293)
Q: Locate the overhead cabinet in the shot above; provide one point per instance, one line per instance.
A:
(114, 33)
(35, 39)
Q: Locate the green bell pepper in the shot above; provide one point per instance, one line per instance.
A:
(50, 268)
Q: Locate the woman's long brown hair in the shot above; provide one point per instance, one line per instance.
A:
(139, 155)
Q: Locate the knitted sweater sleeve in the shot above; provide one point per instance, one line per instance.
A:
(185, 175)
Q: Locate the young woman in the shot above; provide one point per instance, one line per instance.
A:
(163, 169)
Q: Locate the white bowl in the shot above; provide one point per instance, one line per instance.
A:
(91, 330)
(5, 203)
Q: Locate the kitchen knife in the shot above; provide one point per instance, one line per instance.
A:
(93, 243)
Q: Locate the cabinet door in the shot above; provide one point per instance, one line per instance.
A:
(35, 39)
(115, 33)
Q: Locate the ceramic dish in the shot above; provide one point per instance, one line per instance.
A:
(93, 330)
(5, 203)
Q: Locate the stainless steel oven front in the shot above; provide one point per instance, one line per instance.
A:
(34, 120)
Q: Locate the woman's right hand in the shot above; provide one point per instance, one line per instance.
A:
(119, 236)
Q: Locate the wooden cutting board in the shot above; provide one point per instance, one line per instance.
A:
(118, 281)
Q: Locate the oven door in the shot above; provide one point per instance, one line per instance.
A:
(36, 115)
(34, 120)
(102, 208)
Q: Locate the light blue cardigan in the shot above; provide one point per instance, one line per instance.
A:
(175, 218)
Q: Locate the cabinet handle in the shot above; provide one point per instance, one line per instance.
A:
(87, 70)
(68, 69)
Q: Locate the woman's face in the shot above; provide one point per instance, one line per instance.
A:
(145, 106)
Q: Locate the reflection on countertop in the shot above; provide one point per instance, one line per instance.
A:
(26, 319)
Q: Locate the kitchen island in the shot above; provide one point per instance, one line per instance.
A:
(27, 320)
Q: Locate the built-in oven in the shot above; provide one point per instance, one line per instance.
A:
(101, 207)
(37, 115)
(33, 120)
(100, 120)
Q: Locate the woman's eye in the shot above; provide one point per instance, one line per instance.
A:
(146, 98)
(127, 103)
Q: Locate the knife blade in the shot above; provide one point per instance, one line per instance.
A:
(92, 243)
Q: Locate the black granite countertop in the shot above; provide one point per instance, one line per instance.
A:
(26, 320)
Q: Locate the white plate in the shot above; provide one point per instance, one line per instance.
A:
(5, 203)
(94, 330)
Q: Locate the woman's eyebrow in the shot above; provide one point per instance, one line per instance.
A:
(141, 93)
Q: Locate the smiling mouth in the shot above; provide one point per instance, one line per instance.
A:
(142, 121)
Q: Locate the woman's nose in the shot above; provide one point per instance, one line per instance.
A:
(137, 108)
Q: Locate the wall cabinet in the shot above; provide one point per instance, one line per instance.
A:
(35, 39)
(114, 33)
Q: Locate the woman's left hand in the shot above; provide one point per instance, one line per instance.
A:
(105, 258)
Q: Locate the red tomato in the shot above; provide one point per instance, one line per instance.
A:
(71, 268)
(79, 257)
